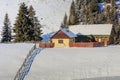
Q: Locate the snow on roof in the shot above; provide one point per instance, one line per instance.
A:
(68, 32)
(99, 29)
(101, 6)
(117, 3)
(46, 37)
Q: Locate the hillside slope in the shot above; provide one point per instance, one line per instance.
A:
(11, 58)
(76, 64)
(49, 12)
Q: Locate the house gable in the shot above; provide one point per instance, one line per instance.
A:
(60, 34)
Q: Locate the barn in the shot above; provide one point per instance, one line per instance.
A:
(62, 38)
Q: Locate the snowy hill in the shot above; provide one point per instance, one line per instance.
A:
(76, 64)
(50, 12)
(11, 58)
(100, 63)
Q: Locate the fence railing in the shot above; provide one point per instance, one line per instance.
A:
(86, 44)
(46, 45)
(19, 72)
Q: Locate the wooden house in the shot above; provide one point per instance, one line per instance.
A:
(92, 33)
(62, 38)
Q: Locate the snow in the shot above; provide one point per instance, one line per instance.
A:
(49, 12)
(101, 63)
(11, 58)
(28, 63)
(68, 33)
(93, 29)
(117, 2)
(46, 37)
(101, 6)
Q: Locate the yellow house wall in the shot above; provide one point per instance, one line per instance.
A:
(64, 44)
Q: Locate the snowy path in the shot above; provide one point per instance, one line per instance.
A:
(27, 64)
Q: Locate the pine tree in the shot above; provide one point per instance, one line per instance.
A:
(92, 11)
(64, 24)
(31, 15)
(108, 1)
(35, 27)
(84, 14)
(79, 4)
(6, 33)
(37, 30)
(109, 15)
(21, 26)
(73, 14)
(115, 33)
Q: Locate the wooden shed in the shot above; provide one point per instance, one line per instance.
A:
(62, 38)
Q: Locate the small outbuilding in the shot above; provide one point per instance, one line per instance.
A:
(62, 38)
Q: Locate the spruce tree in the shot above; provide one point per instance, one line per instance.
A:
(115, 33)
(21, 26)
(73, 14)
(6, 32)
(35, 26)
(84, 14)
(92, 11)
(31, 15)
(64, 24)
(37, 30)
(79, 4)
(109, 15)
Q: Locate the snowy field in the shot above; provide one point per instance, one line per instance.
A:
(11, 58)
(101, 63)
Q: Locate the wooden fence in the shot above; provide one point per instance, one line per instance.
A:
(46, 45)
(73, 44)
(86, 44)
(19, 72)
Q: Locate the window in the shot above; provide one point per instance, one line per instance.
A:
(60, 41)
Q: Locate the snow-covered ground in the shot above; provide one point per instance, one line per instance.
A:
(101, 63)
(11, 58)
